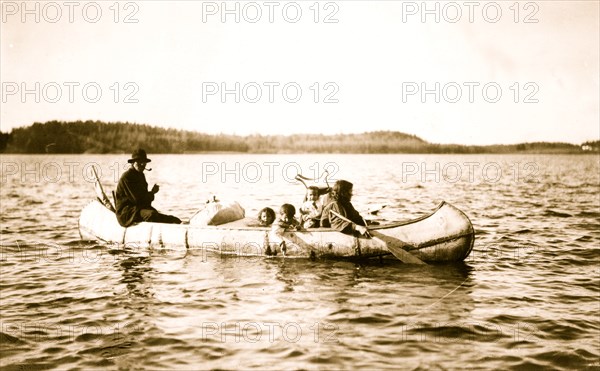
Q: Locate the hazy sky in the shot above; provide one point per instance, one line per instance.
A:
(503, 72)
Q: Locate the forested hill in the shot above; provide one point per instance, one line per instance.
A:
(100, 137)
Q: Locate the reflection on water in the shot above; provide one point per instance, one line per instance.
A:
(134, 270)
(525, 298)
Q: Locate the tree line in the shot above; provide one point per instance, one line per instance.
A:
(122, 137)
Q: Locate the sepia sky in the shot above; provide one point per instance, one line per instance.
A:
(492, 72)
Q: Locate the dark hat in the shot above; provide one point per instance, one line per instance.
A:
(138, 155)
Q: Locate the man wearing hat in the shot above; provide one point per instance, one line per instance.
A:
(132, 196)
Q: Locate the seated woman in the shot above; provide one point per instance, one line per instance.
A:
(340, 204)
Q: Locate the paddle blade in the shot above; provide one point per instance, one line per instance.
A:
(374, 209)
(396, 248)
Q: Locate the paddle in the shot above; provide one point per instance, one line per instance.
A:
(396, 246)
(100, 192)
(374, 209)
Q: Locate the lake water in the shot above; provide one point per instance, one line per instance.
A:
(526, 297)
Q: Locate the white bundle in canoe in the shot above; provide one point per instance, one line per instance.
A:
(217, 213)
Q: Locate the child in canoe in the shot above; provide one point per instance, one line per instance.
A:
(266, 217)
(287, 218)
(286, 221)
(311, 209)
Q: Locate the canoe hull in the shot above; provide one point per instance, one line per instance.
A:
(443, 236)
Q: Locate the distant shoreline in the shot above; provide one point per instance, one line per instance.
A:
(95, 137)
(586, 153)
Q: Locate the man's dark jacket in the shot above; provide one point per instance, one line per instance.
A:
(132, 195)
